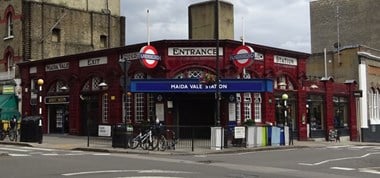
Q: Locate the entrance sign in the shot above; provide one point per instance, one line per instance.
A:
(194, 51)
(194, 85)
(149, 57)
(243, 56)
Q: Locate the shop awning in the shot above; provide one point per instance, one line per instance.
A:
(8, 106)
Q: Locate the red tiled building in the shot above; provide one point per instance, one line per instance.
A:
(179, 90)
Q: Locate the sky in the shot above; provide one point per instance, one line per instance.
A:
(281, 24)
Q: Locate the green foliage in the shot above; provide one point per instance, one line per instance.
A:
(249, 122)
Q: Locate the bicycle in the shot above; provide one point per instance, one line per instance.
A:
(11, 132)
(164, 143)
(146, 141)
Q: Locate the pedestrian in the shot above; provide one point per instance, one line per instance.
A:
(13, 122)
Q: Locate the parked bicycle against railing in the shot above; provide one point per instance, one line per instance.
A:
(11, 132)
(167, 141)
(146, 141)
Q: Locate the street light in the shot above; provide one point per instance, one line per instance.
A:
(285, 97)
(40, 82)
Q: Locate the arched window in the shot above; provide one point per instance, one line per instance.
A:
(92, 84)
(58, 87)
(283, 83)
(9, 26)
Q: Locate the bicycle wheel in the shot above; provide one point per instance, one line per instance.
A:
(162, 143)
(133, 143)
(12, 135)
(2, 135)
(153, 143)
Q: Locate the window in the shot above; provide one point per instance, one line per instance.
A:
(127, 110)
(257, 106)
(92, 84)
(238, 108)
(56, 35)
(283, 82)
(103, 41)
(9, 25)
(139, 102)
(151, 107)
(194, 74)
(247, 106)
(377, 105)
(370, 104)
(57, 87)
(105, 108)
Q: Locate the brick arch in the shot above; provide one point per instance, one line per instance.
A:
(8, 51)
(54, 84)
(189, 67)
(89, 80)
(9, 10)
(290, 79)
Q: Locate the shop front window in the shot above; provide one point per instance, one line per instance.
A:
(341, 112)
(315, 112)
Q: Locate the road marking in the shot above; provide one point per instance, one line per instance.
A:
(18, 155)
(121, 171)
(39, 149)
(369, 170)
(13, 149)
(343, 168)
(50, 154)
(74, 154)
(360, 147)
(101, 154)
(338, 146)
(338, 159)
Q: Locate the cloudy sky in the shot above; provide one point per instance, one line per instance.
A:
(277, 23)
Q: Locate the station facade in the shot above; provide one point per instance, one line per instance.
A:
(82, 91)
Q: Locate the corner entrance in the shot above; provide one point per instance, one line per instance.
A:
(194, 111)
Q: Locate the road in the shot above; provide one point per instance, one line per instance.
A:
(329, 161)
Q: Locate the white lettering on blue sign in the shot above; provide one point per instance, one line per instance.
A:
(178, 86)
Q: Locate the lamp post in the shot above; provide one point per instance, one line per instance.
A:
(285, 97)
(40, 82)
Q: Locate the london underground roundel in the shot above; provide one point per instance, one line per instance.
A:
(243, 56)
(149, 57)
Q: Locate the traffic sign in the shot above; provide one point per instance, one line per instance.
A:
(243, 56)
(149, 57)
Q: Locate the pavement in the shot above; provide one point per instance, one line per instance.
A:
(71, 142)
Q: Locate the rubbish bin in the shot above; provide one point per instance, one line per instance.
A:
(276, 136)
(269, 135)
(31, 129)
(120, 136)
(282, 136)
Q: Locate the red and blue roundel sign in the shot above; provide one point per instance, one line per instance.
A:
(243, 56)
(149, 57)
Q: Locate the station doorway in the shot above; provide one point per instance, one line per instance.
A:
(90, 115)
(194, 112)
